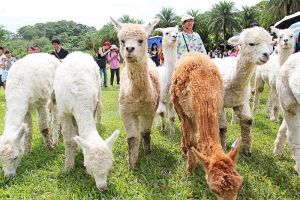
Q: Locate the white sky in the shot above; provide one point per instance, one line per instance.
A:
(17, 13)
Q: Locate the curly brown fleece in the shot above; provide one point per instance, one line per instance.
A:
(197, 92)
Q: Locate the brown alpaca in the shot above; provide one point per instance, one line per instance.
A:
(197, 92)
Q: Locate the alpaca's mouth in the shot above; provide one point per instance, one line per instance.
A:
(263, 61)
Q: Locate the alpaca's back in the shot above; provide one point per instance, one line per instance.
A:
(31, 79)
(197, 91)
(77, 83)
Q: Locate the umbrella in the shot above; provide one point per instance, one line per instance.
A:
(287, 21)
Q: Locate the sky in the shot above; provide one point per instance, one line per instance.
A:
(19, 13)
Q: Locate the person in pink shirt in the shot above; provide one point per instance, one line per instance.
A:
(234, 52)
(113, 57)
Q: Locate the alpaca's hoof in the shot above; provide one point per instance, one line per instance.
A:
(132, 165)
(277, 151)
(247, 153)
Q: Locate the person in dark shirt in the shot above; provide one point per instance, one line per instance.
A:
(58, 52)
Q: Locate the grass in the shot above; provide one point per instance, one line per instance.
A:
(160, 175)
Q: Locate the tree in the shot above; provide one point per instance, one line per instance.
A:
(281, 8)
(167, 17)
(128, 19)
(223, 18)
(247, 15)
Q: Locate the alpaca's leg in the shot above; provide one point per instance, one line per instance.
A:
(133, 137)
(269, 105)
(274, 108)
(223, 127)
(28, 136)
(244, 113)
(69, 131)
(259, 87)
(161, 110)
(280, 139)
(191, 160)
(234, 118)
(172, 115)
(145, 123)
(43, 120)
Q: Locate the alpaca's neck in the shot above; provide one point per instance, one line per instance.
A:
(283, 54)
(15, 116)
(242, 74)
(170, 56)
(138, 74)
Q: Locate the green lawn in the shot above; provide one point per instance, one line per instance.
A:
(160, 175)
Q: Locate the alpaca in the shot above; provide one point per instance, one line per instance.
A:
(198, 105)
(254, 51)
(76, 86)
(165, 72)
(140, 88)
(29, 86)
(268, 72)
(288, 82)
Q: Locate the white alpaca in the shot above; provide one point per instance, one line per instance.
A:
(76, 86)
(165, 72)
(29, 86)
(268, 72)
(288, 87)
(140, 88)
(254, 51)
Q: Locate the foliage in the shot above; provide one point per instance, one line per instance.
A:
(167, 17)
(159, 175)
(247, 16)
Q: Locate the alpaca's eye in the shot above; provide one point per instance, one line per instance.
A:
(140, 41)
(167, 33)
(280, 37)
(123, 42)
(251, 44)
(14, 159)
(291, 36)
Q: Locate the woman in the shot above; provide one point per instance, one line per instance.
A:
(113, 57)
(7, 63)
(189, 40)
(154, 54)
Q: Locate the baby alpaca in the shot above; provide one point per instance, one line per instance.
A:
(76, 86)
(198, 105)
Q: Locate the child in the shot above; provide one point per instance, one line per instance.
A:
(113, 58)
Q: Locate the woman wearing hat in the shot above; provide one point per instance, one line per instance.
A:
(101, 60)
(189, 40)
(113, 58)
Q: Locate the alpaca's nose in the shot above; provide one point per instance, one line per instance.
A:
(130, 49)
(174, 36)
(285, 40)
(266, 55)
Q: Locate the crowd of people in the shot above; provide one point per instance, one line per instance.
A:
(188, 40)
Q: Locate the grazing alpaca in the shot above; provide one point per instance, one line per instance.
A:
(29, 86)
(165, 72)
(268, 72)
(198, 105)
(76, 86)
(254, 51)
(140, 88)
(288, 83)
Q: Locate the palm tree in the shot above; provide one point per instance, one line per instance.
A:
(223, 17)
(128, 19)
(281, 8)
(167, 17)
(247, 15)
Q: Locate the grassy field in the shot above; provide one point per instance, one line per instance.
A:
(160, 175)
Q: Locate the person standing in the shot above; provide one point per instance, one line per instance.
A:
(1, 68)
(58, 52)
(7, 63)
(154, 54)
(101, 60)
(113, 57)
(189, 40)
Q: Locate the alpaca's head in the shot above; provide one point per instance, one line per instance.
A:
(221, 174)
(254, 45)
(11, 150)
(98, 158)
(133, 39)
(170, 36)
(285, 37)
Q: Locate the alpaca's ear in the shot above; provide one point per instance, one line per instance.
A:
(234, 41)
(84, 145)
(202, 158)
(234, 152)
(275, 30)
(118, 25)
(176, 28)
(149, 26)
(159, 29)
(109, 141)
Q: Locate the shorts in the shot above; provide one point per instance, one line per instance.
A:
(1, 83)
(4, 75)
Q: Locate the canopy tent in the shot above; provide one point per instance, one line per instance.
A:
(287, 21)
